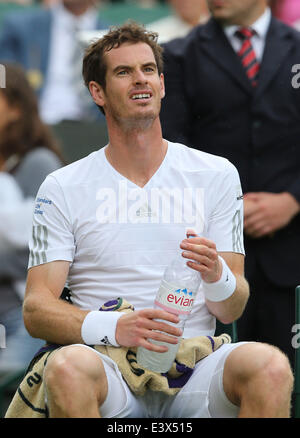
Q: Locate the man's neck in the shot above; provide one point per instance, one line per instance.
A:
(137, 155)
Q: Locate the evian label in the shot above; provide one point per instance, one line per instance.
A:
(174, 300)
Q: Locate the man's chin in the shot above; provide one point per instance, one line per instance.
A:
(139, 120)
(220, 15)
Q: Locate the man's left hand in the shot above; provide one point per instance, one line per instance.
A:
(203, 257)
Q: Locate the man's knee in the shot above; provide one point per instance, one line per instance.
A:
(271, 364)
(262, 365)
(74, 367)
(278, 369)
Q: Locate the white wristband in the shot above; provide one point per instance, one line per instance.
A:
(223, 288)
(99, 328)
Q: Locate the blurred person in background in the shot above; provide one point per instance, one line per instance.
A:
(44, 41)
(185, 15)
(28, 153)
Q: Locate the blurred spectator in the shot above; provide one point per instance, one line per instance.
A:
(186, 14)
(287, 11)
(44, 42)
(28, 153)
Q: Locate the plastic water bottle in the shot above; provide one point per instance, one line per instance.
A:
(176, 294)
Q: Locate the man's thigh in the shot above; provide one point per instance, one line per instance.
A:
(120, 401)
(203, 396)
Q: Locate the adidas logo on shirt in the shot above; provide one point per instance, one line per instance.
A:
(144, 211)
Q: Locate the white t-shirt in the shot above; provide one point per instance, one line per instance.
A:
(119, 237)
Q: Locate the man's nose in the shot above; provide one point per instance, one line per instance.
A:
(140, 77)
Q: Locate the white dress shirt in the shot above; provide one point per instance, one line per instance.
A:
(258, 40)
(59, 99)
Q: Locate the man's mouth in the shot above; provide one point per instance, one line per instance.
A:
(218, 3)
(141, 96)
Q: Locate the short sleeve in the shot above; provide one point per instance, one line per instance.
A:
(52, 237)
(226, 217)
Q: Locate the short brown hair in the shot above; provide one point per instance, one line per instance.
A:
(94, 66)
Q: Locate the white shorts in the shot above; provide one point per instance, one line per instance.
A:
(202, 396)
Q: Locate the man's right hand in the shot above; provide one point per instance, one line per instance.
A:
(135, 328)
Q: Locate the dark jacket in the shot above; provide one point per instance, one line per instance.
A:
(210, 105)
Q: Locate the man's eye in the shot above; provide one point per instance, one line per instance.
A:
(122, 72)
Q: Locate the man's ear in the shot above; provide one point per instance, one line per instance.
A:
(162, 86)
(97, 93)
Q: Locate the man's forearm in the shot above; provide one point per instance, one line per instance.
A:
(232, 308)
(52, 319)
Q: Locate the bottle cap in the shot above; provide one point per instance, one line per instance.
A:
(191, 233)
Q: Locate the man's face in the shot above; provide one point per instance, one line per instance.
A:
(78, 7)
(189, 10)
(236, 11)
(134, 88)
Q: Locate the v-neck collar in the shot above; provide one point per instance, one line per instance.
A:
(119, 176)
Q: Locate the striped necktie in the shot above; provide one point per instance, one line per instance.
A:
(247, 54)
